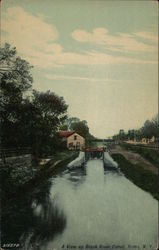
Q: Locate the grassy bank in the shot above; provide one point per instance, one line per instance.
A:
(151, 155)
(60, 160)
(139, 176)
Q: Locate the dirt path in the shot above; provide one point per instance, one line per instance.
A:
(134, 158)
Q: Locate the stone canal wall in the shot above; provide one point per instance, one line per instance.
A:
(77, 162)
(20, 174)
(18, 168)
(17, 161)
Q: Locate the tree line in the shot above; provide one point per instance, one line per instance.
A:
(149, 129)
(30, 118)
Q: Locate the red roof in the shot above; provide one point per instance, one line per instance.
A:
(66, 133)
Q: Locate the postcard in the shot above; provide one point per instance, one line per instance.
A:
(79, 122)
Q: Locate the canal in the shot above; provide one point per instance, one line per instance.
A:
(84, 208)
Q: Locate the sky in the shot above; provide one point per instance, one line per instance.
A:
(100, 55)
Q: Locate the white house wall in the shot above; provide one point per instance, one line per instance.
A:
(79, 139)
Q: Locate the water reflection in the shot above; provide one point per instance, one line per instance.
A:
(83, 206)
(33, 220)
(77, 176)
(106, 209)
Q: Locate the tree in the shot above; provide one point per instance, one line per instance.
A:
(148, 130)
(151, 128)
(81, 128)
(63, 127)
(49, 112)
(155, 122)
(15, 73)
(70, 121)
(51, 108)
(27, 121)
(15, 80)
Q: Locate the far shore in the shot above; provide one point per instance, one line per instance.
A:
(135, 158)
(138, 169)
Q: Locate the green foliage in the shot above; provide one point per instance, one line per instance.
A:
(26, 121)
(31, 121)
(70, 121)
(148, 130)
(51, 107)
(15, 76)
(63, 127)
(49, 112)
(151, 128)
(139, 176)
(80, 127)
(15, 80)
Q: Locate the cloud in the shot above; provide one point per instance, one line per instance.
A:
(38, 42)
(30, 34)
(95, 58)
(78, 78)
(147, 36)
(122, 42)
(97, 36)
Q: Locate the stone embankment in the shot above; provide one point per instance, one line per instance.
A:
(109, 162)
(77, 162)
(18, 168)
(20, 174)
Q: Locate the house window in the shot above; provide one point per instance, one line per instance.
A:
(78, 145)
(70, 145)
(75, 137)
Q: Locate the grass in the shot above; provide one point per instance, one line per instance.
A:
(64, 157)
(139, 176)
(151, 155)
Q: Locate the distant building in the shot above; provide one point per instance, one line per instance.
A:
(152, 139)
(145, 140)
(132, 141)
(73, 140)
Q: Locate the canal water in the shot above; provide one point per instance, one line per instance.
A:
(84, 208)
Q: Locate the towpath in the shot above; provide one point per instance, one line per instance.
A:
(134, 158)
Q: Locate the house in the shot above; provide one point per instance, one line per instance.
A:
(152, 140)
(132, 141)
(145, 140)
(72, 139)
